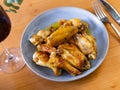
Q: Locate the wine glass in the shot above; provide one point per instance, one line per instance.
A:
(10, 60)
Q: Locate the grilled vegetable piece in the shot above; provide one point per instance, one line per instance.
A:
(64, 33)
(71, 54)
(87, 45)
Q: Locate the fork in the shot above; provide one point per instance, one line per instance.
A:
(103, 17)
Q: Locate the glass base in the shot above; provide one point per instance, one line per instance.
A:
(12, 63)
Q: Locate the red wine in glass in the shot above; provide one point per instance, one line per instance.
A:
(11, 59)
(5, 25)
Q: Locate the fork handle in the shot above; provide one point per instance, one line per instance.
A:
(115, 29)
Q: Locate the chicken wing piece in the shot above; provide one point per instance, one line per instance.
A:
(57, 61)
(35, 39)
(81, 25)
(72, 54)
(46, 48)
(70, 69)
(87, 45)
(42, 59)
(39, 37)
(54, 62)
(64, 33)
(44, 33)
(76, 22)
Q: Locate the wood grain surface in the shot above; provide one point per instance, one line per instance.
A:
(106, 77)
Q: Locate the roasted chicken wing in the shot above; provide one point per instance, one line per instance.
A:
(61, 35)
(35, 39)
(39, 37)
(54, 62)
(65, 45)
(59, 62)
(76, 22)
(46, 48)
(72, 54)
(44, 33)
(70, 69)
(81, 25)
(87, 45)
(42, 59)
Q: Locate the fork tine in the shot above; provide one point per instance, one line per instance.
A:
(101, 10)
(98, 10)
(102, 16)
(95, 9)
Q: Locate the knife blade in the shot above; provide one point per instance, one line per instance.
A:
(111, 10)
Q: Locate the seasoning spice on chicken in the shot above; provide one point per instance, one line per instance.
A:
(65, 45)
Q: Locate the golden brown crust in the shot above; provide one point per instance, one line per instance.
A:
(72, 54)
(59, 62)
(35, 39)
(61, 35)
(46, 48)
(87, 45)
(65, 46)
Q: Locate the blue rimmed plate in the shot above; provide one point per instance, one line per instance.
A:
(46, 18)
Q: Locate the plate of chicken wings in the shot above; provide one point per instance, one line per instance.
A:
(64, 44)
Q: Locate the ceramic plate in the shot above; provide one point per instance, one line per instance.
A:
(46, 18)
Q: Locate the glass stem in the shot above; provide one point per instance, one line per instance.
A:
(10, 56)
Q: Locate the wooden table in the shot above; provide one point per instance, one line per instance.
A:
(106, 77)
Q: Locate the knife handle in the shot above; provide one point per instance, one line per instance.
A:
(115, 29)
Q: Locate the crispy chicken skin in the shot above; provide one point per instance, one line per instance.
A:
(72, 22)
(46, 48)
(35, 39)
(42, 59)
(76, 22)
(70, 69)
(87, 45)
(71, 54)
(57, 61)
(39, 37)
(65, 45)
(61, 35)
(81, 25)
(44, 33)
(54, 62)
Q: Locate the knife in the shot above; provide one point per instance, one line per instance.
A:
(111, 10)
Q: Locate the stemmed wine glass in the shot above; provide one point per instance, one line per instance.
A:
(10, 60)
